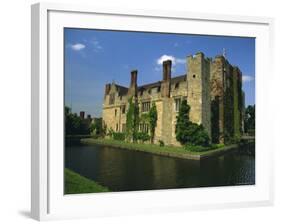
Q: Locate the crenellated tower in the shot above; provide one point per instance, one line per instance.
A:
(198, 90)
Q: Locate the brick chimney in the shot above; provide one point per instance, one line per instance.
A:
(107, 89)
(134, 77)
(166, 83)
(133, 90)
(167, 70)
(82, 114)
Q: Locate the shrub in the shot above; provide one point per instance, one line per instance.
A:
(119, 136)
(142, 136)
(161, 143)
(110, 133)
(199, 136)
(188, 132)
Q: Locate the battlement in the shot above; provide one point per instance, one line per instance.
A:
(195, 57)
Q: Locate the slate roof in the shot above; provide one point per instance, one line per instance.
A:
(124, 90)
(174, 80)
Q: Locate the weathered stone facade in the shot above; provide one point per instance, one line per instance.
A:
(212, 88)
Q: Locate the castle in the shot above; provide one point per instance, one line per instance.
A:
(212, 88)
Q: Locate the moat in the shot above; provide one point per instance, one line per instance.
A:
(124, 170)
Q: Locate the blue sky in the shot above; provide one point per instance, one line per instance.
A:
(96, 57)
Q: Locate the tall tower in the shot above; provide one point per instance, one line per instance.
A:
(217, 85)
(198, 90)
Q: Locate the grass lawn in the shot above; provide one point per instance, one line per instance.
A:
(173, 151)
(75, 183)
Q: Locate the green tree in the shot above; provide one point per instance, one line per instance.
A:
(74, 125)
(152, 121)
(132, 120)
(182, 123)
(96, 127)
(249, 121)
(188, 132)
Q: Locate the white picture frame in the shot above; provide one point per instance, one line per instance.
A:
(48, 201)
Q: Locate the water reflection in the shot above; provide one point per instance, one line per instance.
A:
(124, 170)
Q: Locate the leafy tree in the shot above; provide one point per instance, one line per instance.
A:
(188, 132)
(152, 121)
(96, 127)
(249, 121)
(197, 135)
(74, 125)
(182, 123)
(132, 120)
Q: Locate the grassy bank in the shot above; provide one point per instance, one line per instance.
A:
(75, 183)
(172, 151)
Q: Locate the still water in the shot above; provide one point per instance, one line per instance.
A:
(124, 170)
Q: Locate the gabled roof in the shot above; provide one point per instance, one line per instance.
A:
(122, 90)
(181, 78)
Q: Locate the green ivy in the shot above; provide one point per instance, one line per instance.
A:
(188, 132)
(132, 120)
(152, 121)
(142, 136)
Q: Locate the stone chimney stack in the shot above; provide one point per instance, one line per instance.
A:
(133, 90)
(167, 70)
(166, 83)
(107, 89)
(82, 114)
(134, 77)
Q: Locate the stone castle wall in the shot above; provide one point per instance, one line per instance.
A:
(213, 89)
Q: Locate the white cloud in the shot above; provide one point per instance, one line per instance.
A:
(174, 60)
(165, 58)
(93, 44)
(247, 78)
(77, 46)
